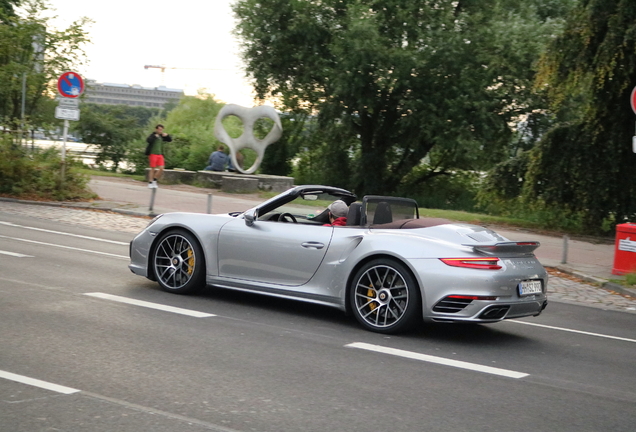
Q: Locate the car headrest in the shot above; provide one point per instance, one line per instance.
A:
(383, 213)
(353, 217)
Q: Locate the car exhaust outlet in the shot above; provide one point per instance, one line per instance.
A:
(494, 312)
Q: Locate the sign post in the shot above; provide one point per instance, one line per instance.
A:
(632, 101)
(70, 85)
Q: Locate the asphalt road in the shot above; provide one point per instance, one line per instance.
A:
(77, 354)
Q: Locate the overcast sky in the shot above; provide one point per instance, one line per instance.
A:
(129, 34)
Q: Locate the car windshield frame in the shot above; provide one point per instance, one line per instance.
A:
(299, 191)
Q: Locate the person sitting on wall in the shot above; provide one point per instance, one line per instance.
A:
(338, 211)
(218, 160)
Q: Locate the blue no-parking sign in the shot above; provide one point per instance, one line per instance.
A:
(70, 85)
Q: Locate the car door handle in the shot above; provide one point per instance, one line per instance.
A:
(313, 245)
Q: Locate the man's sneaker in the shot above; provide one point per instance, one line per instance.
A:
(152, 185)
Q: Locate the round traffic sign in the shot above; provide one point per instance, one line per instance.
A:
(70, 84)
(632, 100)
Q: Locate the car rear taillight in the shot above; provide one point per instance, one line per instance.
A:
(490, 263)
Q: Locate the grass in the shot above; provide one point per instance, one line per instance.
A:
(629, 281)
(93, 172)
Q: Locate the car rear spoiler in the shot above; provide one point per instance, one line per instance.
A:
(523, 247)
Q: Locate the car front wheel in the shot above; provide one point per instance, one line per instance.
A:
(384, 296)
(178, 263)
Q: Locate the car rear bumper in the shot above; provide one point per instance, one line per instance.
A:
(467, 295)
(494, 312)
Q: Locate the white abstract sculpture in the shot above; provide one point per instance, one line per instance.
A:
(249, 116)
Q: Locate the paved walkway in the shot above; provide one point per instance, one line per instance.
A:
(122, 207)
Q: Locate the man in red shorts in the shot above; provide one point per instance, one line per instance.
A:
(155, 154)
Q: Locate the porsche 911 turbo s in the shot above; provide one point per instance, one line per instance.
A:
(387, 266)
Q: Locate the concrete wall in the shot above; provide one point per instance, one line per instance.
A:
(229, 181)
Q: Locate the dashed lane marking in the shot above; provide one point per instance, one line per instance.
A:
(437, 360)
(15, 254)
(63, 233)
(150, 305)
(37, 383)
(66, 247)
(128, 405)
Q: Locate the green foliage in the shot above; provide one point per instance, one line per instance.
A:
(7, 9)
(585, 164)
(322, 160)
(278, 156)
(32, 51)
(504, 192)
(38, 174)
(451, 192)
(503, 185)
(110, 129)
(402, 78)
(191, 125)
(142, 115)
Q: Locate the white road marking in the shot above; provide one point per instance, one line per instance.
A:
(37, 383)
(437, 360)
(15, 254)
(63, 233)
(573, 331)
(66, 247)
(150, 305)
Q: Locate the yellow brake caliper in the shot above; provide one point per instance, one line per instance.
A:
(190, 262)
(371, 293)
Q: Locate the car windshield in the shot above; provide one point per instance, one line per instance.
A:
(305, 207)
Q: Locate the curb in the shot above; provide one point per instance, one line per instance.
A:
(611, 286)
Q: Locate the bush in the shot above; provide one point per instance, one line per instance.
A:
(37, 174)
(455, 191)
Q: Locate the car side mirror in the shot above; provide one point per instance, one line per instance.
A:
(250, 217)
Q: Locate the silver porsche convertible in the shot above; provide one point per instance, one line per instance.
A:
(388, 267)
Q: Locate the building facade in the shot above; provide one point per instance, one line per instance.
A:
(134, 95)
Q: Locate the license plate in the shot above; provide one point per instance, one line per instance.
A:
(530, 287)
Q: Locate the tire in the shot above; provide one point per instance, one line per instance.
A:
(384, 297)
(178, 263)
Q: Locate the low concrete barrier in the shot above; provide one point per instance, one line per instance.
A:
(179, 176)
(239, 185)
(218, 180)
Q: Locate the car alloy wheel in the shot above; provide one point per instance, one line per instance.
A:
(384, 297)
(178, 262)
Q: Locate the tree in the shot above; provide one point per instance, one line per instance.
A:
(277, 159)
(34, 53)
(585, 165)
(110, 129)
(407, 79)
(7, 9)
(191, 124)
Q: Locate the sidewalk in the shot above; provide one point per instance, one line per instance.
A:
(590, 262)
